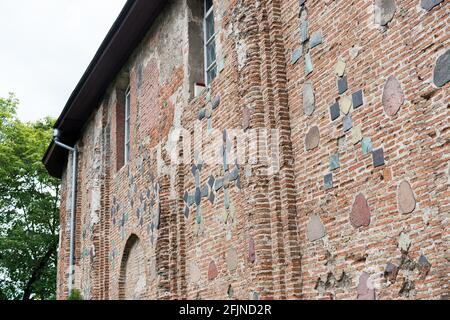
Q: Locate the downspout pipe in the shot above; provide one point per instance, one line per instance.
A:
(74, 151)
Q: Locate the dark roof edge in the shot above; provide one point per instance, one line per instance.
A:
(100, 52)
(126, 33)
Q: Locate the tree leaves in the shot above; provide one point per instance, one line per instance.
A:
(29, 214)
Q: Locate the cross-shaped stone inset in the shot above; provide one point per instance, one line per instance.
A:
(307, 42)
(208, 110)
(213, 185)
(345, 105)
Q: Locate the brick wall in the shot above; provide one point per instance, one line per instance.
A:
(343, 107)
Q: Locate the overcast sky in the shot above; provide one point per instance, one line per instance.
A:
(45, 47)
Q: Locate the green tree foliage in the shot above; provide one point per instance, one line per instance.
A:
(29, 214)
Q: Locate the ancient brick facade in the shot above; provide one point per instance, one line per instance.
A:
(345, 191)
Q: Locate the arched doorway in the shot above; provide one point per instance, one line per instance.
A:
(133, 278)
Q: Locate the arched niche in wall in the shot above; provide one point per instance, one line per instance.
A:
(133, 276)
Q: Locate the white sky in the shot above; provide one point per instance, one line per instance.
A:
(45, 47)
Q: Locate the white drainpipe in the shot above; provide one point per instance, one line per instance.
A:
(73, 150)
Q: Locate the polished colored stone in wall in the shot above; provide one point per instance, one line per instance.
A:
(393, 97)
(315, 229)
(442, 70)
(312, 139)
(406, 200)
(360, 214)
(309, 101)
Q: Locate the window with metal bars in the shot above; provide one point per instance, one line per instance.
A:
(127, 124)
(210, 42)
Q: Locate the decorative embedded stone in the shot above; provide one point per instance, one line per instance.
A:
(315, 229)
(186, 197)
(346, 104)
(442, 70)
(216, 102)
(227, 199)
(406, 199)
(194, 170)
(354, 51)
(430, 4)
(238, 183)
(186, 212)
(335, 111)
(198, 196)
(251, 251)
(312, 138)
(365, 288)
(304, 33)
(393, 97)
(308, 99)
(357, 99)
(205, 191)
(234, 174)
(226, 181)
(308, 64)
(360, 214)
(212, 197)
(201, 114)
(391, 272)
(424, 266)
(341, 142)
(231, 258)
(191, 200)
(404, 243)
(347, 122)
(334, 162)
(366, 145)
(378, 157)
(296, 55)
(328, 181)
(384, 11)
(212, 271)
(197, 178)
(316, 39)
(302, 2)
(195, 273)
(198, 216)
(211, 181)
(356, 134)
(340, 68)
(218, 184)
(209, 112)
(342, 84)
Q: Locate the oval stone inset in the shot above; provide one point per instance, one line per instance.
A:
(232, 259)
(195, 273)
(312, 138)
(308, 99)
(360, 215)
(406, 199)
(393, 96)
(315, 229)
(442, 70)
(212, 271)
(365, 288)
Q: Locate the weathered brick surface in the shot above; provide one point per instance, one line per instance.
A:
(133, 231)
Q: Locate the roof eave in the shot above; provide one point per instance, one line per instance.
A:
(127, 32)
